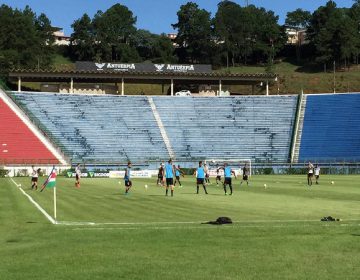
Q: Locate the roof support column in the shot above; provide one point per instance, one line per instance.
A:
(267, 87)
(220, 87)
(172, 87)
(19, 84)
(122, 86)
(71, 85)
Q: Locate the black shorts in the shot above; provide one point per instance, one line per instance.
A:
(128, 183)
(77, 177)
(245, 177)
(207, 176)
(218, 178)
(34, 179)
(310, 175)
(317, 176)
(227, 181)
(200, 181)
(160, 176)
(169, 182)
(178, 178)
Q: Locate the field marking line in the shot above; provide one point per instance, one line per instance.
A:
(265, 223)
(199, 227)
(66, 223)
(51, 219)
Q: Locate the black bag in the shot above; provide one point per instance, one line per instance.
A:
(329, 219)
(220, 221)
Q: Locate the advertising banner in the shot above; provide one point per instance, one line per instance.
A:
(89, 174)
(212, 172)
(134, 174)
(142, 67)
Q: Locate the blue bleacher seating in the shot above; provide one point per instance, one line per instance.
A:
(331, 129)
(94, 128)
(108, 129)
(247, 127)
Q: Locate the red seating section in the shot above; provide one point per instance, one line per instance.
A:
(18, 144)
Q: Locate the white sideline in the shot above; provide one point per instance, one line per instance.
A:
(66, 223)
(51, 219)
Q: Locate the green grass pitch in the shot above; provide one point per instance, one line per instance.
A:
(277, 232)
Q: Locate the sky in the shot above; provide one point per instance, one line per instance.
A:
(153, 15)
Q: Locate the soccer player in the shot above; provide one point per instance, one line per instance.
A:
(207, 175)
(127, 177)
(169, 175)
(77, 175)
(200, 177)
(227, 174)
(160, 180)
(317, 173)
(310, 173)
(178, 172)
(246, 174)
(218, 177)
(34, 178)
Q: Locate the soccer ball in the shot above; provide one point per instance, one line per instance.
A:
(265, 186)
(19, 185)
(146, 186)
(332, 182)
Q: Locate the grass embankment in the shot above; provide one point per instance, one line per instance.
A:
(295, 78)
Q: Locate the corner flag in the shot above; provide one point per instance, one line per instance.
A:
(50, 181)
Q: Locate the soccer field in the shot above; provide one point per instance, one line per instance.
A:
(277, 231)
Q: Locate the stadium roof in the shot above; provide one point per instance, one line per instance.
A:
(93, 76)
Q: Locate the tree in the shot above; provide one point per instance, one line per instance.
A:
(246, 33)
(194, 33)
(334, 34)
(354, 14)
(163, 50)
(153, 47)
(25, 39)
(82, 40)
(114, 30)
(298, 19)
(46, 40)
(144, 42)
(227, 24)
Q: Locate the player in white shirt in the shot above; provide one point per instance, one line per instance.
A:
(34, 177)
(218, 177)
(246, 174)
(207, 175)
(77, 175)
(310, 174)
(317, 173)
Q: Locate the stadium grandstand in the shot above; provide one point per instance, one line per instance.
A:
(112, 129)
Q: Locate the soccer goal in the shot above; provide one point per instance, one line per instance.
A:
(235, 164)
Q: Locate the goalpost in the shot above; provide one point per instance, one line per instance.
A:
(235, 164)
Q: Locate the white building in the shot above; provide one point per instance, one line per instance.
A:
(296, 36)
(60, 38)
